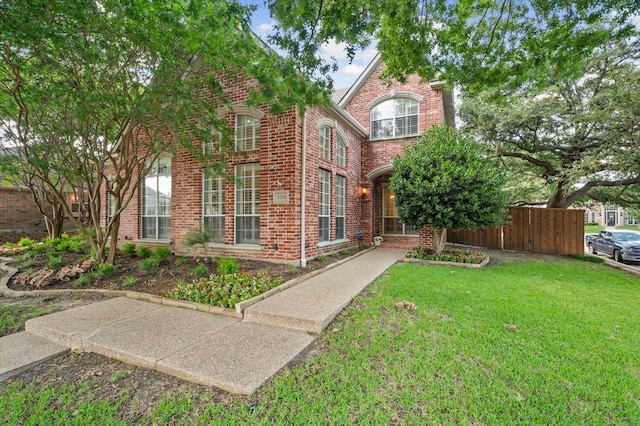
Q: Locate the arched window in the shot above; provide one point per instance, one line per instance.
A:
(247, 132)
(325, 142)
(341, 151)
(394, 118)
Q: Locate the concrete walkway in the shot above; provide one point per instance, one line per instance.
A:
(237, 355)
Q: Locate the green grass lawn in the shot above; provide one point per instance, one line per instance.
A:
(524, 342)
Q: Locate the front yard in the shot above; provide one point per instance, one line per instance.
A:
(547, 341)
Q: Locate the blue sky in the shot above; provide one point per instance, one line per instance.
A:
(262, 25)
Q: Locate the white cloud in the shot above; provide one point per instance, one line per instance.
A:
(265, 28)
(352, 69)
(333, 49)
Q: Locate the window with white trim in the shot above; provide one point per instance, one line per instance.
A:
(212, 146)
(390, 219)
(213, 205)
(324, 210)
(340, 202)
(325, 142)
(156, 201)
(247, 215)
(341, 151)
(394, 118)
(247, 132)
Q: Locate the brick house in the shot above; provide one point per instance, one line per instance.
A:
(270, 212)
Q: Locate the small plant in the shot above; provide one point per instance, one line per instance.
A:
(161, 253)
(344, 252)
(200, 270)
(227, 265)
(195, 236)
(335, 254)
(149, 264)
(128, 249)
(105, 270)
(84, 279)
(293, 270)
(55, 261)
(25, 242)
(128, 282)
(180, 261)
(143, 252)
(321, 258)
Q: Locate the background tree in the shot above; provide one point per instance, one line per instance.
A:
(93, 92)
(581, 137)
(445, 181)
(473, 44)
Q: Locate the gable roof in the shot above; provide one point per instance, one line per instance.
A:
(360, 81)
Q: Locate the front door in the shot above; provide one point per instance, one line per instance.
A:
(390, 220)
(611, 219)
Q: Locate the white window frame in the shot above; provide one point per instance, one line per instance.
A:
(325, 142)
(213, 146)
(405, 229)
(247, 132)
(394, 118)
(247, 204)
(341, 187)
(213, 218)
(341, 151)
(324, 206)
(159, 176)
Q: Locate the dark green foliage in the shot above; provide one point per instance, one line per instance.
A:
(161, 253)
(227, 266)
(586, 258)
(200, 270)
(445, 181)
(149, 264)
(143, 252)
(128, 248)
(104, 270)
(454, 255)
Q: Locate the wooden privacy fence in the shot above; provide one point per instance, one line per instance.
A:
(536, 230)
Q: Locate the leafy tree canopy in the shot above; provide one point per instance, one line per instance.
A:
(445, 181)
(78, 75)
(579, 137)
(472, 43)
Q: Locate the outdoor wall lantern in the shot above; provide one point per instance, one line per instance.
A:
(363, 191)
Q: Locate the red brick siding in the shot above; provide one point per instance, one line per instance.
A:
(18, 210)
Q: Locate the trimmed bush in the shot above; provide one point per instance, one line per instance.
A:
(143, 252)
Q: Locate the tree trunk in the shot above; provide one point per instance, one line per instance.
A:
(439, 239)
(55, 222)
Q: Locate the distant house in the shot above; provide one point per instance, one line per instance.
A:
(305, 185)
(609, 215)
(18, 211)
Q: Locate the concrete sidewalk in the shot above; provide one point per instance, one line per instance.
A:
(237, 355)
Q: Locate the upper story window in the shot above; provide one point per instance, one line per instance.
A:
(247, 132)
(212, 146)
(394, 118)
(341, 151)
(325, 142)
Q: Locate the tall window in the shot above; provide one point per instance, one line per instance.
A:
(213, 205)
(394, 118)
(391, 220)
(156, 201)
(325, 142)
(248, 203)
(341, 151)
(247, 132)
(324, 211)
(212, 146)
(340, 199)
